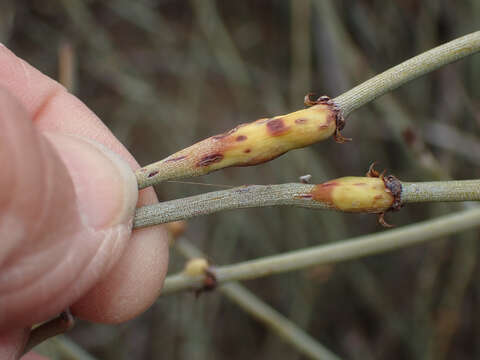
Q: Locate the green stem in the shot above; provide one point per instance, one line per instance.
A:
(292, 194)
(340, 251)
(440, 191)
(408, 70)
(235, 198)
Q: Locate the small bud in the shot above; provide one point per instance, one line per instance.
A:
(196, 267)
(176, 229)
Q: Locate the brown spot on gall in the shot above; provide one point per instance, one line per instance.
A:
(323, 192)
(301, 121)
(210, 159)
(377, 197)
(209, 283)
(305, 196)
(276, 127)
(323, 127)
(152, 174)
(246, 151)
(176, 159)
(241, 138)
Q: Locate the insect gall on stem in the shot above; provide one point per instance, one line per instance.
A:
(374, 193)
(339, 119)
(250, 144)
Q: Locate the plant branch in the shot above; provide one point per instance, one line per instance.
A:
(440, 191)
(341, 251)
(299, 195)
(264, 313)
(408, 70)
(265, 139)
(62, 347)
(236, 198)
(49, 329)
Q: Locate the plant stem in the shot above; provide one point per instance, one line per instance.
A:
(345, 104)
(407, 71)
(264, 313)
(340, 251)
(292, 194)
(61, 347)
(235, 198)
(437, 191)
(49, 329)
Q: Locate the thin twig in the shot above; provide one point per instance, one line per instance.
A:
(441, 191)
(408, 70)
(461, 143)
(236, 198)
(61, 347)
(345, 250)
(394, 115)
(292, 194)
(301, 52)
(261, 311)
(49, 329)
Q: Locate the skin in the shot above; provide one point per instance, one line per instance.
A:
(67, 198)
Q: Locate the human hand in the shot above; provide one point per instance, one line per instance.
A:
(67, 198)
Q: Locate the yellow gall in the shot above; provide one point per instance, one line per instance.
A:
(176, 228)
(196, 267)
(245, 145)
(355, 194)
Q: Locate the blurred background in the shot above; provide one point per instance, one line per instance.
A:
(163, 74)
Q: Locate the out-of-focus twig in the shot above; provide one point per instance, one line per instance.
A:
(67, 66)
(65, 349)
(278, 323)
(448, 314)
(301, 50)
(460, 143)
(407, 71)
(345, 250)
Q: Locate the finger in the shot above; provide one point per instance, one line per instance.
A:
(146, 256)
(11, 343)
(61, 229)
(32, 356)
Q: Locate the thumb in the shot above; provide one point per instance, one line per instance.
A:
(66, 207)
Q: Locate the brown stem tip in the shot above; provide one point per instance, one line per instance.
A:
(310, 100)
(392, 185)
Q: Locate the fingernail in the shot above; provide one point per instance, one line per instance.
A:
(105, 185)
